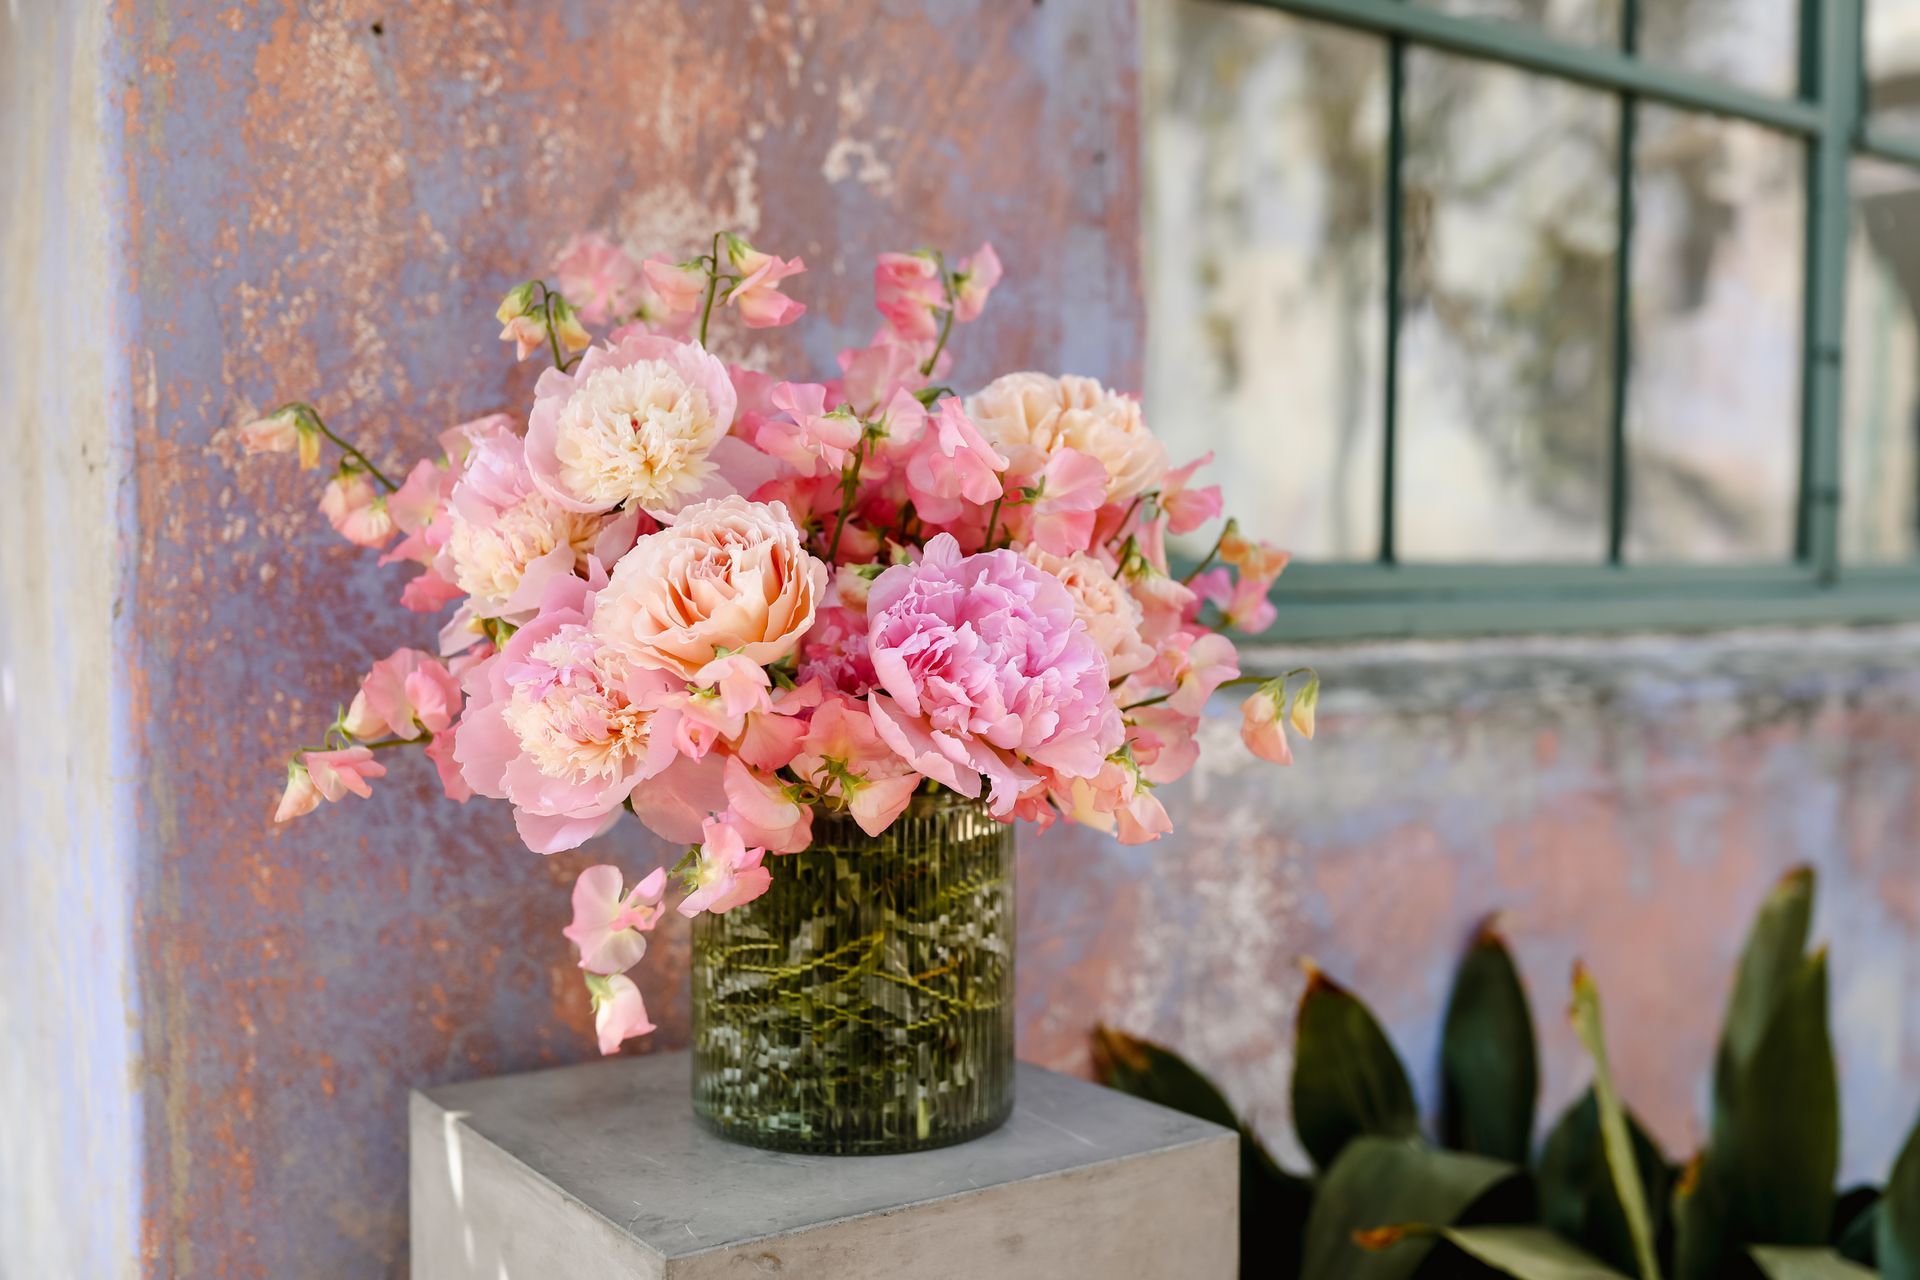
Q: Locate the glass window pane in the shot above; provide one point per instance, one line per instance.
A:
(1507, 297)
(1576, 21)
(1879, 453)
(1265, 161)
(1892, 38)
(1754, 43)
(1713, 406)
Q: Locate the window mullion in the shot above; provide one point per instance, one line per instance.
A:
(1622, 298)
(1395, 205)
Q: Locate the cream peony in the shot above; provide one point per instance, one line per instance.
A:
(727, 575)
(1109, 610)
(636, 424)
(1036, 411)
(490, 559)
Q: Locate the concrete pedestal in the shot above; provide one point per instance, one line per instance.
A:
(601, 1171)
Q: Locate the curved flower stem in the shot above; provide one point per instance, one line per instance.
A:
(1127, 519)
(993, 517)
(313, 415)
(1212, 551)
(946, 325)
(713, 288)
(849, 482)
(1224, 684)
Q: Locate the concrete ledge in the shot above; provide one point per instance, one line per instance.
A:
(601, 1171)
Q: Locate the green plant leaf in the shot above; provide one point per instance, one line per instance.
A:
(1528, 1253)
(1577, 1195)
(1380, 1181)
(1273, 1202)
(1792, 1262)
(1347, 1080)
(1856, 1214)
(1616, 1142)
(1489, 1067)
(1897, 1234)
(1701, 1225)
(1775, 946)
(1775, 1144)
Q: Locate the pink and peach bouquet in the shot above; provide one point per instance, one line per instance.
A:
(724, 602)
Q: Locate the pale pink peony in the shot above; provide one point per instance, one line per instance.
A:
(636, 423)
(728, 873)
(1111, 614)
(728, 574)
(562, 726)
(618, 1011)
(598, 277)
(1262, 727)
(610, 924)
(406, 692)
(844, 757)
(1049, 413)
(356, 510)
(985, 671)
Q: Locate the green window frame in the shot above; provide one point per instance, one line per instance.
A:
(1388, 598)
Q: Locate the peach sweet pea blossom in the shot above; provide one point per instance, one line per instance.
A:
(1262, 727)
(636, 423)
(725, 577)
(908, 291)
(300, 798)
(609, 925)
(285, 430)
(1049, 413)
(356, 510)
(844, 757)
(757, 294)
(406, 692)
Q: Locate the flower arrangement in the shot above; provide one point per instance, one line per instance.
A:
(724, 602)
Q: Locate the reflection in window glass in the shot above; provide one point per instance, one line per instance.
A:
(1577, 21)
(1879, 461)
(1507, 302)
(1265, 158)
(1713, 408)
(1753, 43)
(1892, 39)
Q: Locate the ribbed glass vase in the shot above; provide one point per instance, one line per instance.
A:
(864, 1003)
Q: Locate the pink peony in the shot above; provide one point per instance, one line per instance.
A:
(610, 926)
(562, 726)
(728, 873)
(986, 670)
(598, 277)
(843, 757)
(642, 423)
(1049, 414)
(356, 510)
(727, 575)
(618, 1011)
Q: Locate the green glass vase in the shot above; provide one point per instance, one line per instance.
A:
(864, 1003)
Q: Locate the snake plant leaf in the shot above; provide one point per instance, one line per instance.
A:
(1347, 1080)
(1489, 1066)
(1797, 1262)
(1897, 1234)
(1775, 1144)
(1857, 1238)
(1273, 1202)
(1775, 947)
(1377, 1182)
(1702, 1223)
(1577, 1195)
(1528, 1253)
(1616, 1142)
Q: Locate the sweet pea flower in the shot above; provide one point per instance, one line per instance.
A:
(285, 430)
(1262, 727)
(1187, 509)
(727, 874)
(404, 693)
(598, 276)
(1064, 500)
(742, 683)
(1165, 742)
(890, 364)
(440, 751)
(763, 813)
(527, 332)
(1196, 665)
(908, 291)
(428, 592)
(808, 438)
(618, 1011)
(974, 279)
(1242, 600)
(769, 739)
(1117, 800)
(844, 757)
(335, 773)
(984, 670)
(757, 294)
(301, 797)
(356, 510)
(951, 466)
(676, 290)
(1259, 561)
(1300, 714)
(609, 925)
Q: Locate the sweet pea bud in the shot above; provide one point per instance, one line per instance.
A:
(741, 256)
(518, 302)
(1300, 715)
(567, 327)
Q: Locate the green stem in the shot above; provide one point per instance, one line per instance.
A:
(1213, 551)
(849, 481)
(319, 423)
(993, 517)
(1127, 519)
(946, 325)
(713, 288)
(1224, 684)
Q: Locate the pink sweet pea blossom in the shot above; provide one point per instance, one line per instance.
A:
(757, 295)
(872, 375)
(763, 812)
(300, 798)
(974, 279)
(908, 291)
(1196, 665)
(1242, 600)
(1188, 509)
(335, 773)
(984, 671)
(770, 738)
(1261, 725)
(951, 465)
(674, 295)
(356, 510)
(440, 751)
(428, 592)
(598, 277)
(407, 691)
(1071, 489)
(808, 438)
(728, 873)
(609, 925)
(742, 683)
(618, 1011)
(844, 756)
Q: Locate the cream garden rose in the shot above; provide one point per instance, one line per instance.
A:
(1112, 616)
(728, 576)
(1037, 411)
